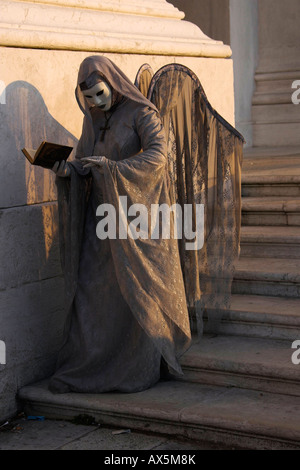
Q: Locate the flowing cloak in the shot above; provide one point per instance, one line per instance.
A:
(125, 297)
(204, 165)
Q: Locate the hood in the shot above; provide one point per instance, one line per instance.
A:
(114, 77)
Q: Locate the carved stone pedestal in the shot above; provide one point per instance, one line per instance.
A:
(147, 27)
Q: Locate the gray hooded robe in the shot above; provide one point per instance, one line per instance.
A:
(125, 298)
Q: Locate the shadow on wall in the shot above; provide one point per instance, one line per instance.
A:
(31, 284)
(25, 122)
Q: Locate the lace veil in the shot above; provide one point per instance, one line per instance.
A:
(204, 166)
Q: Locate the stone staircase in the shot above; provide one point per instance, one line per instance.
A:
(240, 388)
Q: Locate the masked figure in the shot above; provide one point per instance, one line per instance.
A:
(125, 297)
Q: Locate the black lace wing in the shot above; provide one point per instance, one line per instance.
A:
(204, 163)
(143, 78)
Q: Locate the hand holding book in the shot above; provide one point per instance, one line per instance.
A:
(61, 169)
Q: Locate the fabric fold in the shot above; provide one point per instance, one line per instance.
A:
(148, 270)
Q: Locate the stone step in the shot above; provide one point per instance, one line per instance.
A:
(271, 171)
(231, 416)
(262, 317)
(267, 276)
(270, 242)
(280, 133)
(283, 113)
(251, 363)
(272, 210)
(271, 186)
(267, 152)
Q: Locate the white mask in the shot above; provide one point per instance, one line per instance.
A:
(99, 95)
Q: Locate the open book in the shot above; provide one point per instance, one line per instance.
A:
(47, 154)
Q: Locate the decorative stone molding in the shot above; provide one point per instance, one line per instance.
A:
(135, 7)
(142, 27)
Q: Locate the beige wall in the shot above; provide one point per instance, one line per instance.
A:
(279, 35)
(244, 45)
(276, 120)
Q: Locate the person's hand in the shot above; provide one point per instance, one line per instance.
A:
(94, 161)
(61, 169)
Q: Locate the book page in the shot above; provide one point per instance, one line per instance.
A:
(30, 154)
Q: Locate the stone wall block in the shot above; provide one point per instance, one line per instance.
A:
(29, 244)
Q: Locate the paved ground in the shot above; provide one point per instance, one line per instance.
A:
(23, 434)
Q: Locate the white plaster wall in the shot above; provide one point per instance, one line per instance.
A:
(244, 45)
(40, 105)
